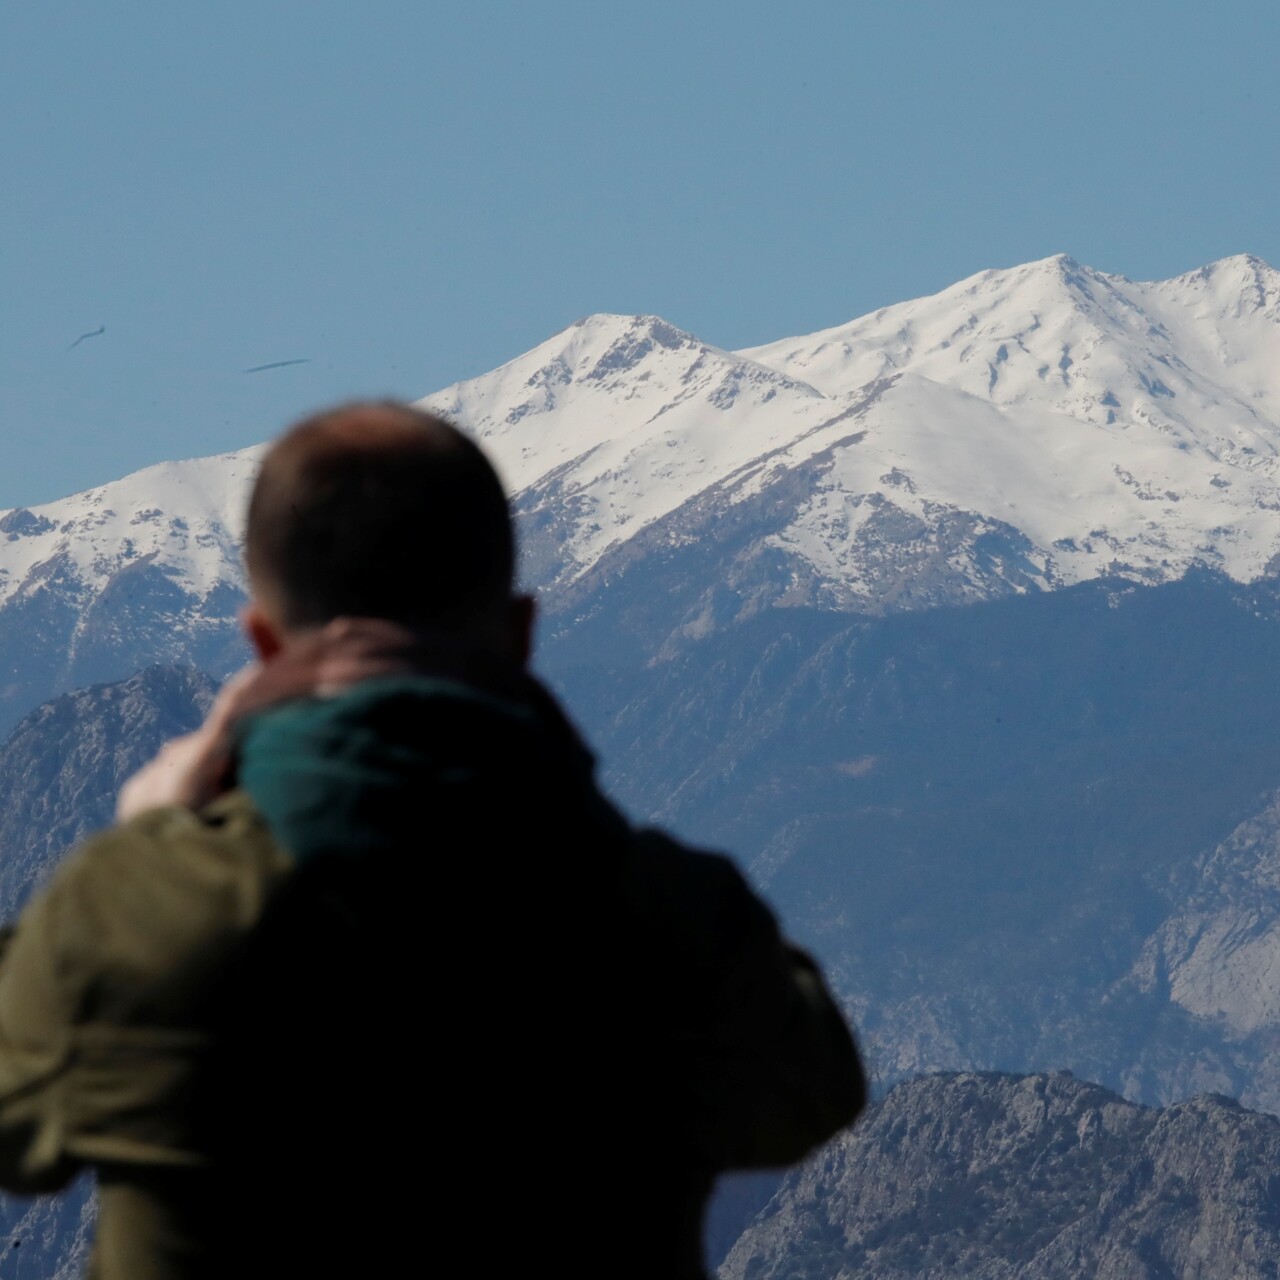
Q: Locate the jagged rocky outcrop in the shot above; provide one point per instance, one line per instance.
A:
(62, 765)
(1041, 1177)
(1214, 962)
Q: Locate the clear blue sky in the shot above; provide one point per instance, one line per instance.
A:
(405, 194)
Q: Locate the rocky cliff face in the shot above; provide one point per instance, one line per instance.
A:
(62, 766)
(1041, 1177)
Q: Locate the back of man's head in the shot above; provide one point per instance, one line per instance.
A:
(376, 509)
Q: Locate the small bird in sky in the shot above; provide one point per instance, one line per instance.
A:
(275, 364)
(93, 333)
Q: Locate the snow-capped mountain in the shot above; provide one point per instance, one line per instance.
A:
(1118, 426)
(183, 517)
(1023, 430)
(145, 569)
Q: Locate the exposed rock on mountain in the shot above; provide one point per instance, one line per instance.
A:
(141, 571)
(1218, 954)
(1044, 1177)
(62, 766)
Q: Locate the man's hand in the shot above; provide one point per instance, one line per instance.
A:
(192, 770)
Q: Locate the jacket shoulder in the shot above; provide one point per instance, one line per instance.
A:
(142, 907)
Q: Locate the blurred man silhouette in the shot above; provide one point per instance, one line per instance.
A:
(369, 972)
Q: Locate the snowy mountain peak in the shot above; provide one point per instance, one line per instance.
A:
(1057, 266)
(1022, 429)
(1068, 339)
(1243, 271)
(599, 346)
(606, 388)
(1031, 321)
(1232, 296)
(1114, 426)
(184, 518)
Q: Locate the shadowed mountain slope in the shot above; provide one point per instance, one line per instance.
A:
(979, 818)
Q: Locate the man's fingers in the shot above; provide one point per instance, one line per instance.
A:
(187, 771)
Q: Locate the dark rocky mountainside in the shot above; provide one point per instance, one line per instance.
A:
(62, 765)
(55, 639)
(1042, 1177)
(995, 824)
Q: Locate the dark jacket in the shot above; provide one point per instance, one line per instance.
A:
(414, 988)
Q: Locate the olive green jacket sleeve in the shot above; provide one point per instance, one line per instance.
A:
(98, 982)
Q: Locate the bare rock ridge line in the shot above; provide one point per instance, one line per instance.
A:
(1042, 1177)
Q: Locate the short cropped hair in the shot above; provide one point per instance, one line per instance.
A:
(377, 509)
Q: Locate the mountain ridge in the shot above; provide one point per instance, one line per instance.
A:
(1040, 1177)
(1023, 430)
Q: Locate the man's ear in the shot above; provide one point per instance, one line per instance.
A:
(260, 631)
(522, 614)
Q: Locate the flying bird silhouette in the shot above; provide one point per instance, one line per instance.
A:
(275, 364)
(102, 328)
